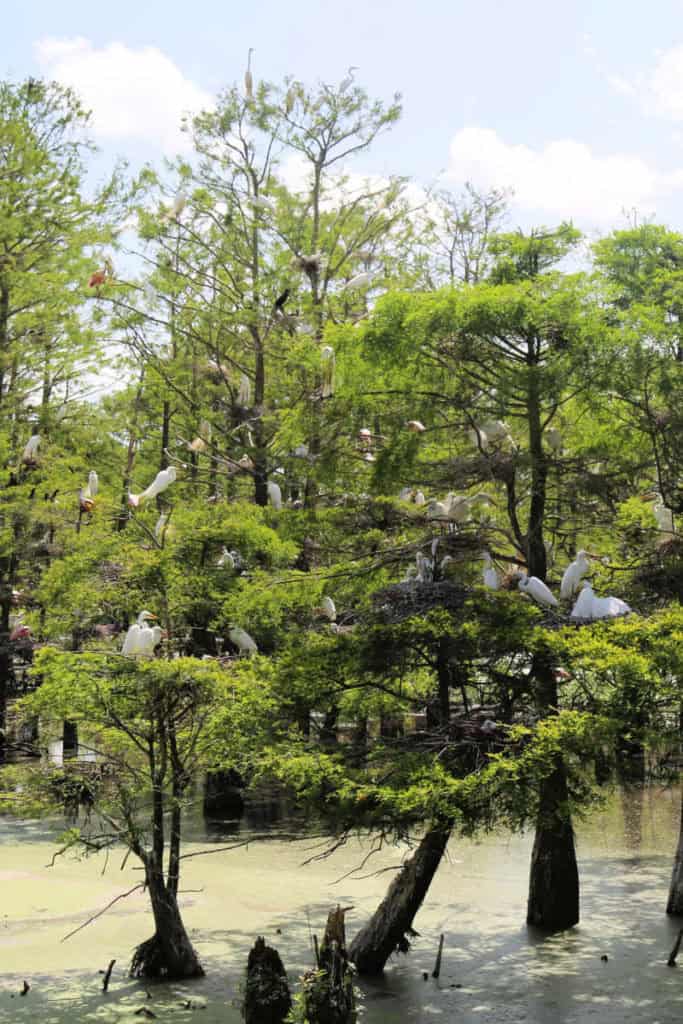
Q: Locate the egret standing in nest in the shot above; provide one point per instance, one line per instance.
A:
(328, 361)
(328, 609)
(536, 589)
(571, 579)
(141, 639)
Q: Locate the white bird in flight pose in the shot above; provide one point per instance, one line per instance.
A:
(573, 574)
(537, 589)
(161, 481)
(141, 639)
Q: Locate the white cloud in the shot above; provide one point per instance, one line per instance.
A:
(133, 93)
(665, 85)
(564, 178)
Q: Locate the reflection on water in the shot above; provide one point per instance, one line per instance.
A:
(494, 969)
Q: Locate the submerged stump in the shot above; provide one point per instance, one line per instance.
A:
(266, 998)
(328, 990)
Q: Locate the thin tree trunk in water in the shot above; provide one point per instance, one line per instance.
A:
(554, 874)
(169, 953)
(675, 902)
(389, 926)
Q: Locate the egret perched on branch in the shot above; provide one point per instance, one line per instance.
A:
(244, 392)
(226, 560)
(554, 438)
(416, 426)
(274, 495)
(30, 453)
(161, 481)
(490, 575)
(537, 589)
(327, 360)
(573, 574)
(162, 529)
(359, 281)
(177, 208)
(663, 514)
(248, 78)
(419, 498)
(87, 494)
(328, 609)
(437, 510)
(141, 639)
(242, 641)
(348, 80)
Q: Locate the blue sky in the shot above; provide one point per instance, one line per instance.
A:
(578, 106)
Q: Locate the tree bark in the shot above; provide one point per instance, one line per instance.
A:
(328, 991)
(169, 952)
(674, 905)
(388, 928)
(266, 997)
(554, 875)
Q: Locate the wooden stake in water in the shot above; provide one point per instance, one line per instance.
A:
(437, 966)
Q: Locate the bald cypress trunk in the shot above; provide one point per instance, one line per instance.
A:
(554, 875)
(388, 929)
(675, 903)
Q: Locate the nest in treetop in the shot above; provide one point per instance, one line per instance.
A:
(662, 577)
(404, 600)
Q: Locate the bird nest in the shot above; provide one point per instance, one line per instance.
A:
(111, 572)
(404, 600)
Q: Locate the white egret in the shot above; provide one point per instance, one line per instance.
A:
(327, 360)
(416, 426)
(30, 454)
(328, 609)
(425, 568)
(662, 513)
(177, 208)
(365, 436)
(274, 495)
(437, 510)
(301, 451)
(87, 494)
(588, 606)
(267, 206)
(245, 463)
(248, 77)
(226, 560)
(141, 639)
(573, 574)
(554, 438)
(406, 494)
(490, 575)
(419, 498)
(161, 528)
(244, 392)
(369, 457)
(161, 481)
(537, 590)
(242, 641)
(359, 281)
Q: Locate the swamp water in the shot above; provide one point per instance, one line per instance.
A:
(507, 973)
